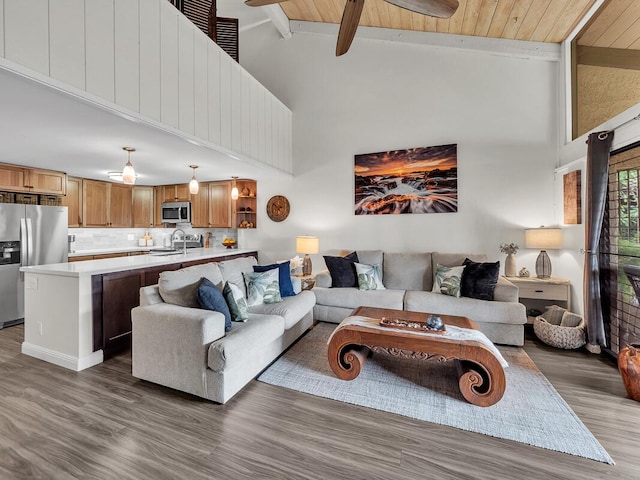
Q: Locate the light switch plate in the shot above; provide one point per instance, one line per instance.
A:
(31, 283)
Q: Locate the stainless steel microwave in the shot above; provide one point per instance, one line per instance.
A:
(176, 212)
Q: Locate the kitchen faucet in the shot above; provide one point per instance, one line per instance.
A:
(184, 239)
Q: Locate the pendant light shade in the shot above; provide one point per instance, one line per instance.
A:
(194, 187)
(128, 173)
(234, 190)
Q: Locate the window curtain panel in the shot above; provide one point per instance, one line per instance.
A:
(598, 148)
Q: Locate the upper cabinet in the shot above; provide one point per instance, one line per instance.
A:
(142, 209)
(146, 57)
(73, 201)
(33, 180)
(106, 204)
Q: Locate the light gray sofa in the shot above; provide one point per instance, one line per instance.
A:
(408, 279)
(177, 344)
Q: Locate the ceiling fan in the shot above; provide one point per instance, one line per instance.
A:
(353, 10)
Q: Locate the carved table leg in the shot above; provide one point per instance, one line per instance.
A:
(479, 385)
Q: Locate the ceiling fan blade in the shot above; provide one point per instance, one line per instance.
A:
(433, 8)
(348, 25)
(261, 3)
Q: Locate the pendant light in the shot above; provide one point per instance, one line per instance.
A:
(128, 173)
(234, 190)
(194, 187)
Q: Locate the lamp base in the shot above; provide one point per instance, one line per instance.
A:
(306, 265)
(543, 265)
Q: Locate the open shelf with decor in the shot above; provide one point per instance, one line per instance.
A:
(245, 206)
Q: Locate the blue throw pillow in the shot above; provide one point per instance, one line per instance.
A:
(284, 276)
(211, 298)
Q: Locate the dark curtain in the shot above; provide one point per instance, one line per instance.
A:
(598, 148)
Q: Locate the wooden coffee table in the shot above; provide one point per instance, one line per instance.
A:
(481, 376)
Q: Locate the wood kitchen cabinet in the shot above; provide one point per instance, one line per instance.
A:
(220, 205)
(200, 207)
(15, 178)
(73, 201)
(176, 193)
(142, 207)
(245, 207)
(106, 204)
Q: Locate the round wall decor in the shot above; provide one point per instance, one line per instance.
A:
(278, 208)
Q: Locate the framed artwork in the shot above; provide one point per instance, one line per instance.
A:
(415, 180)
(572, 198)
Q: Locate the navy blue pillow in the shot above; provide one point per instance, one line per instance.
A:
(284, 276)
(211, 298)
(342, 270)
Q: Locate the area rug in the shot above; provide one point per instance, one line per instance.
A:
(531, 411)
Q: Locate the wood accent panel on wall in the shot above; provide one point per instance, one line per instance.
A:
(572, 197)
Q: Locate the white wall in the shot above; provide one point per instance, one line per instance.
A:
(500, 110)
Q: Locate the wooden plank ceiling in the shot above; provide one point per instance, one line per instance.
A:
(533, 20)
(617, 25)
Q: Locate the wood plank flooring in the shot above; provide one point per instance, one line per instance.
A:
(104, 424)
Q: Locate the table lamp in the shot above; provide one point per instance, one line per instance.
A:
(544, 239)
(307, 244)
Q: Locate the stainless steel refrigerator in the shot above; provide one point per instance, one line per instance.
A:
(29, 235)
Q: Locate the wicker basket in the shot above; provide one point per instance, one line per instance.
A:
(51, 200)
(7, 197)
(566, 331)
(27, 198)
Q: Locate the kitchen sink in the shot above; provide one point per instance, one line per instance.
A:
(164, 251)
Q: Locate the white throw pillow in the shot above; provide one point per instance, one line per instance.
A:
(262, 287)
(369, 277)
(447, 280)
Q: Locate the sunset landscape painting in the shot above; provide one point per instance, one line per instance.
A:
(416, 180)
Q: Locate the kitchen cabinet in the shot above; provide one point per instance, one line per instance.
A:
(176, 193)
(73, 201)
(220, 205)
(200, 207)
(142, 207)
(245, 214)
(106, 204)
(158, 198)
(15, 178)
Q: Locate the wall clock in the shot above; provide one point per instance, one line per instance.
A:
(278, 208)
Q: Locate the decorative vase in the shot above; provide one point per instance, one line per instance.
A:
(629, 366)
(510, 265)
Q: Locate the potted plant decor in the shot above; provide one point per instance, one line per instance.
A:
(510, 262)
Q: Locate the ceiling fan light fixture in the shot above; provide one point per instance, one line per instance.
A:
(128, 172)
(194, 186)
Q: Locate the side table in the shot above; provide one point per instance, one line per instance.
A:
(539, 293)
(308, 281)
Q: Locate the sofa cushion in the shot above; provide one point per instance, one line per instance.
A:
(232, 271)
(370, 257)
(262, 287)
(231, 350)
(180, 287)
(479, 279)
(211, 298)
(407, 271)
(353, 298)
(455, 259)
(342, 270)
(369, 276)
(476, 310)
(292, 309)
(284, 276)
(236, 302)
(447, 280)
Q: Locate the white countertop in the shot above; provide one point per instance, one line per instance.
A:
(99, 251)
(120, 264)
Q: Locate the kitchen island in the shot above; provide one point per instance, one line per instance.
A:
(77, 314)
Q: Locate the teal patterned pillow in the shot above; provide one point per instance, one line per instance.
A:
(369, 277)
(447, 280)
(262, 287)
(236, 302)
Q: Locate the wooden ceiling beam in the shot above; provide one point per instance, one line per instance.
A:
(608, 57)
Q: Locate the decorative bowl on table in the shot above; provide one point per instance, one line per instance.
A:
(228, 242)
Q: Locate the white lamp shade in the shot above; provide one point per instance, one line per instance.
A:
(234, 193)
(128, 174)
(307, 244)
(543, 238)
(194, 187)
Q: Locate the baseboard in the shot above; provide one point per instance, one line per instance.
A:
(62, 359)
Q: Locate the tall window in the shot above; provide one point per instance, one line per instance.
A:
(619, 247)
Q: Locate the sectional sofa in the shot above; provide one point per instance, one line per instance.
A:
(408, 280)
(180, 345)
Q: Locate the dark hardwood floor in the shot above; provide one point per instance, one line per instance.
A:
(104, 424)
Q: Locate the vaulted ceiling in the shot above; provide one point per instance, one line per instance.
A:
(617, 25)
(532, 20)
